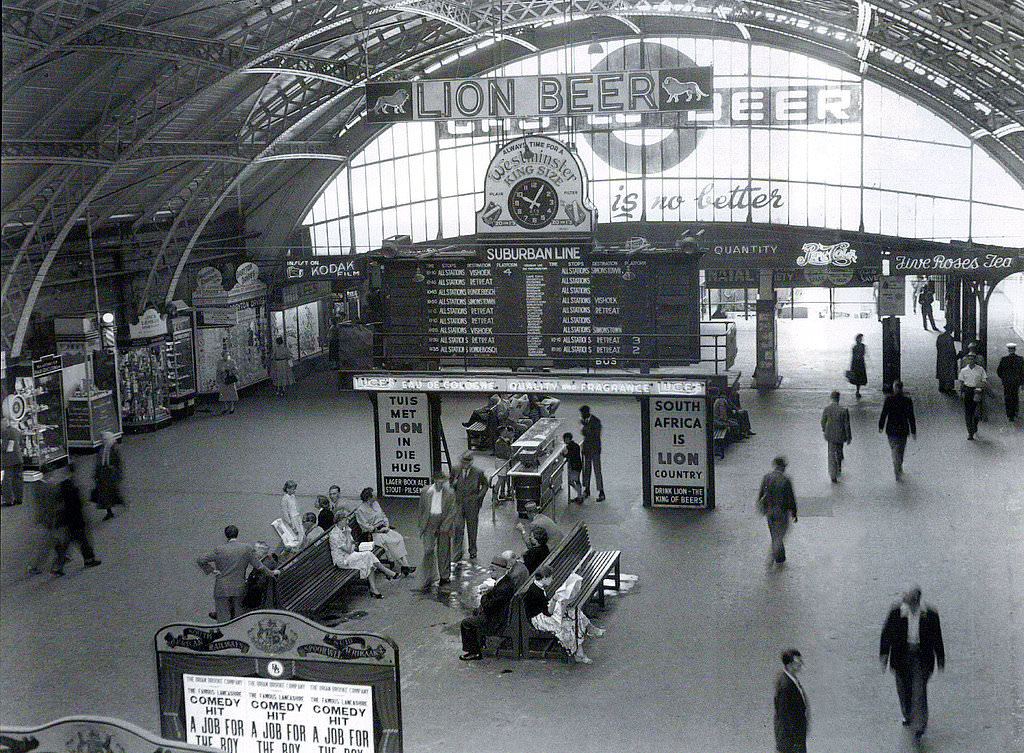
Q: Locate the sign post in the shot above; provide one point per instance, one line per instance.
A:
(678, 458)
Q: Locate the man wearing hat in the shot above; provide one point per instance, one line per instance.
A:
(1011, 371)
(470, 488)
(491, 615)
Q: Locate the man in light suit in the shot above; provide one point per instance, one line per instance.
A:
(911, 646)
(835, 424)
(230, 562)
(791, 710)
(438, 514)
(470, 488)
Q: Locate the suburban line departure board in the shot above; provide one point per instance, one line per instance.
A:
(538, 302)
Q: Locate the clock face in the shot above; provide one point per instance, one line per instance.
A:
(533, 203)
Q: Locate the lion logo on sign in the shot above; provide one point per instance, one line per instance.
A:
(689, 90)
(393, 103)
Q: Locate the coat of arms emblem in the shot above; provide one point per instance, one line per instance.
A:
(272, 636)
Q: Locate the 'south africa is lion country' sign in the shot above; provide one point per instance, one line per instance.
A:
(535, 185)
(592, 92)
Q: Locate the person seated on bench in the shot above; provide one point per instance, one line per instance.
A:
(311, 528)
(345, 555)
(492, 614)
(342, 508)
(720, 414)
(549, 615)
(372, 520)
(537, 548)
(324, 514)
(737, 413)
(536, 518)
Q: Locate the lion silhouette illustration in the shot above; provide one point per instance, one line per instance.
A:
(393, 103)
(689, 90)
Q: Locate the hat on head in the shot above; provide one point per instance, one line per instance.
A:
(467, 455)
(531, 506)
(1011, 346)
(500, 560)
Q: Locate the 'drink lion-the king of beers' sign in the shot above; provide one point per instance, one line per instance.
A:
(597, 92)
(535, 185)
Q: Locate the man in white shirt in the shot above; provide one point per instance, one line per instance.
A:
(972, 383)
(438, 515)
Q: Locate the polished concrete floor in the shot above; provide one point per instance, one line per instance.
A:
(691, 651)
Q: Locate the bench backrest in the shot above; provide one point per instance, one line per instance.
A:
(563, 559)
(303, 568)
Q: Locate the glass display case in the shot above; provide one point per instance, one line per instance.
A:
(145, 402)
(40, 386)
(181, 363)
(90, 382)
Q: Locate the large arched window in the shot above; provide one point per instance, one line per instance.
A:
(823, 147)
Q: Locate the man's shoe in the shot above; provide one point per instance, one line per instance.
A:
(444, 581)
(213, 615)
(471, 657)
(57, 572)
(34, 571)
(601, 497)
(109, 515)
(93, 563)
(586, 493)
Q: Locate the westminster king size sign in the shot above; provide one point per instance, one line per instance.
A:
(535, 185)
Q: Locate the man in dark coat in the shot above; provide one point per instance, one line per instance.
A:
(13, 463)
(1011, 371)
(777, 502)
(591, 448)
(71, 523)
(897, 420)
(945, 361)
(471, 487)
(492, 613)
(791, 709)
(926, 297)
(911, 646)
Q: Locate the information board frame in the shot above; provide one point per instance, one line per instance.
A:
(277, 647)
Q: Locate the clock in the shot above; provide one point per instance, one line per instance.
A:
(533, 203)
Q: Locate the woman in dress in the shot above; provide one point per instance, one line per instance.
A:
(858, 373)
(290, 514)
(547, 616)
(108, 476)
(281, 369)
(344, 554)
(372, 520)
(227, 383)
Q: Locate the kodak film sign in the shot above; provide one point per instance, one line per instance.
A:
(569, 94)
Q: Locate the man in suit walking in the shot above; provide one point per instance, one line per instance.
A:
(835, 424)
(470, 488)
(897, 420)
(438, 515)
(791, 709)
(1011, 371)
(911, 646)
(777, 503)
(230, 562)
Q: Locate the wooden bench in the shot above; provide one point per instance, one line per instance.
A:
(574, 554)
(309, 579)
(721, 438)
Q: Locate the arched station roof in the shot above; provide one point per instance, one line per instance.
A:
(164, 113)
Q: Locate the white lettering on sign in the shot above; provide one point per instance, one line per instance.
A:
(260, 715)
(561, 386)
(678, 452)
(403, 435)
(820, 255)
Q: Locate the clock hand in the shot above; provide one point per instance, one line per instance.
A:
(536, 197)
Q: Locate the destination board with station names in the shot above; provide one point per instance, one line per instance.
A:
(554, 302)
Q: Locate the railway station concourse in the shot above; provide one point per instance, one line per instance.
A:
(632, 206)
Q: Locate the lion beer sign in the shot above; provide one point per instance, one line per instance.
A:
(563, 94)
(275, 682)
(535, 185)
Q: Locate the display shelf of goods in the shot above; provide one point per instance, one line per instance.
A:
(144, 396)
(43, 427)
